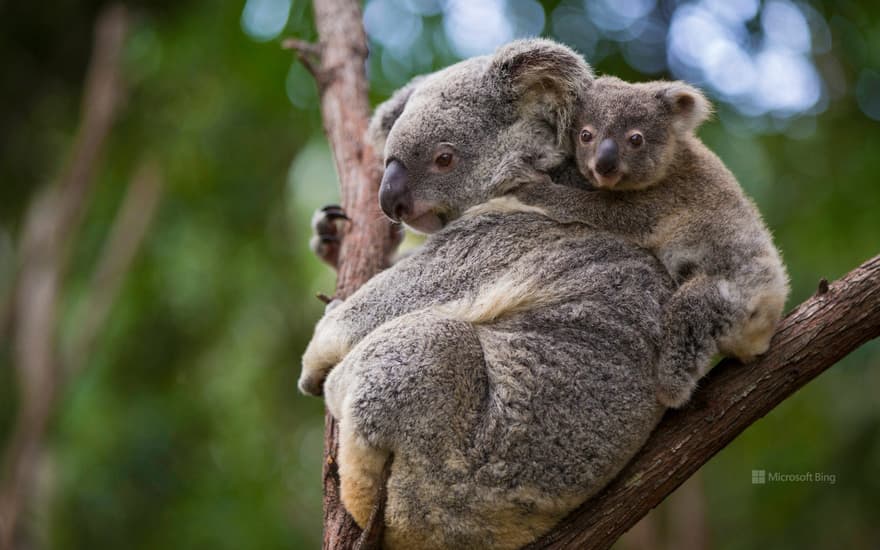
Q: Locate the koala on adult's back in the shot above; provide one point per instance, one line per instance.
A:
(662, 188)
(508, 364)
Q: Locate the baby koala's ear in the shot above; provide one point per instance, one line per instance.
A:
(387, 113)
(543, 79)
(688, 105)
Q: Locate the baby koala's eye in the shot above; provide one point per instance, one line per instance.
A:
(636, 140)
(586, 136)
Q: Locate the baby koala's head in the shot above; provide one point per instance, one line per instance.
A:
(625, 134)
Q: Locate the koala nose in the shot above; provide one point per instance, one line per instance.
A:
(606, 157)
(394, 196)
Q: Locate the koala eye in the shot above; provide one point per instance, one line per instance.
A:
(636, 140)
(586, 136)
(443, 160)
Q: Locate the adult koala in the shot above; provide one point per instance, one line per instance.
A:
(509, 362)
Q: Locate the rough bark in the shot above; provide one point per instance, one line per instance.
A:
(337, 64)
(838, 319)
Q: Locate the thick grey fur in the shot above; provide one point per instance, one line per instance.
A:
(509, 363)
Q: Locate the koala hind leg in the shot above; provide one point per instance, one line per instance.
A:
(415, 387)
(695, 316)
(360, 472)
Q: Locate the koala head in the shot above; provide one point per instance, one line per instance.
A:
(446, 135)
(626, 134)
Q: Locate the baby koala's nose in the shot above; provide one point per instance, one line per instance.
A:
(606, 157)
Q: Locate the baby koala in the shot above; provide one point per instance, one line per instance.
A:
(659, 186)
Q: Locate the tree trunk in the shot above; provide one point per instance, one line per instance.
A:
(337, 64)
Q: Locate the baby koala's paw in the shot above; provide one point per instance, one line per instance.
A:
(748, 343)
(675, 385)
(515, 171)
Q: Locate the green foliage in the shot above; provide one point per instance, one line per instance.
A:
(185, 430)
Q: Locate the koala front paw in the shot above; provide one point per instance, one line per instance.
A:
(327, 238)
(327, 348)
(316, 365)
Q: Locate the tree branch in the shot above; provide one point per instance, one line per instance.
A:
(129, 228)
(838, 319)
(338, 65)
(309, 55)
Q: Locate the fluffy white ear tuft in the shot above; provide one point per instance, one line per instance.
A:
(687, 104)
(543, 78)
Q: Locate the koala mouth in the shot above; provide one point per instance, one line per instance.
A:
(609, 181)
(425, 218)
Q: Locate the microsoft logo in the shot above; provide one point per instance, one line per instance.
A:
(762, 477)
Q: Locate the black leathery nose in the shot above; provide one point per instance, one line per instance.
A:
(395, 198)
(606, 157)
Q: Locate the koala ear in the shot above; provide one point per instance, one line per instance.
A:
(544, 79)
(688, 105)
(387, 113)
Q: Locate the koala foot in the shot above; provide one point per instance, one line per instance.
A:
(360, 473)
(327, 238)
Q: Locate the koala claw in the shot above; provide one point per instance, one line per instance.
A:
(326, 226)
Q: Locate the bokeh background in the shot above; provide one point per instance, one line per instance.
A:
(183, 428)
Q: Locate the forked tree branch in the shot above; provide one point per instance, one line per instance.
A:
(818, 333)
(338, 65)
(309, 55)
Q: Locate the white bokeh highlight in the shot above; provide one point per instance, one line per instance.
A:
(710, 44)
(264, 20)
(755, 56)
